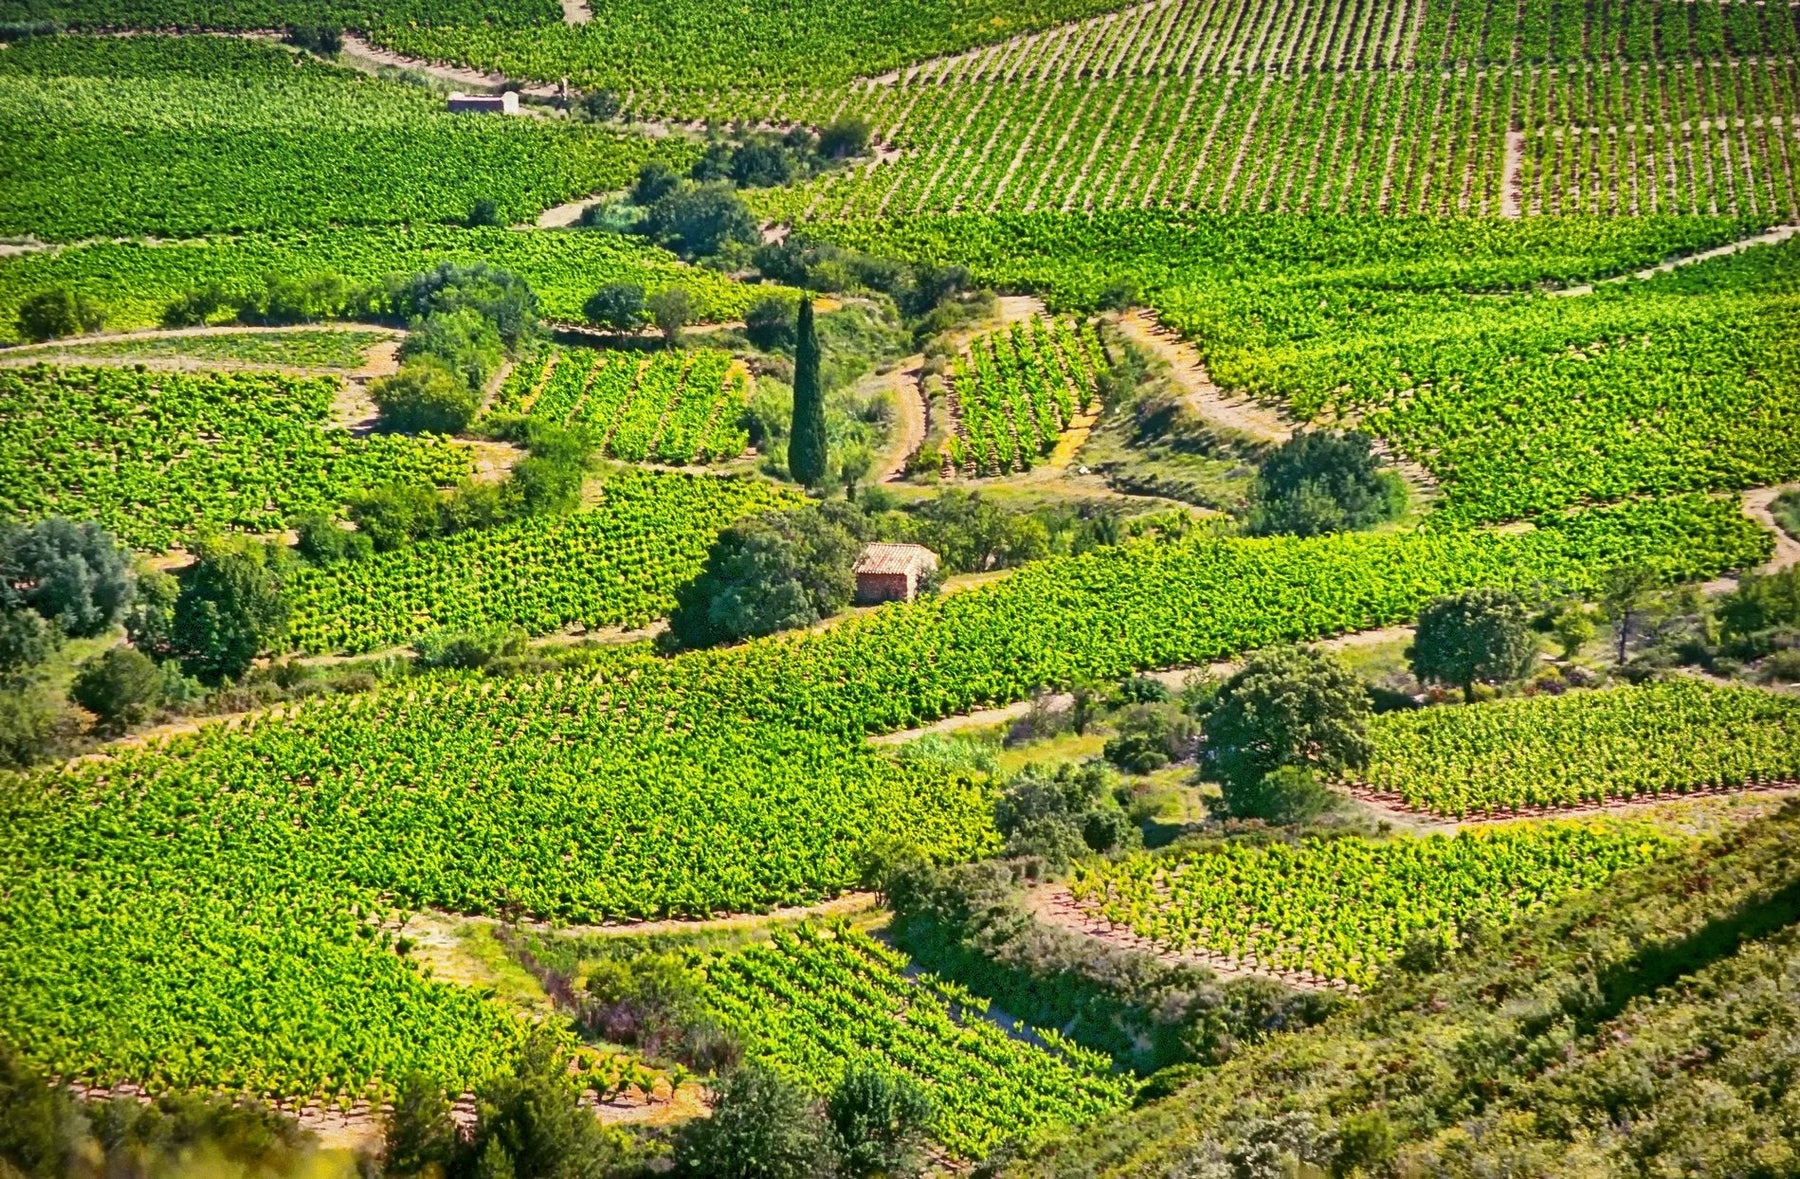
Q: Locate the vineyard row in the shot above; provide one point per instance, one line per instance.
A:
(1694, 139)
(1014, 393)
(675, 407)
(1183, 37)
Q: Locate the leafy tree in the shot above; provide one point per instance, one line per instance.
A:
(971, 533)
(847, 136)
(500, 296)
(808, 460)
(619, 306)
(323, 542)
(769, 324)
(425, 395)
(761, 1128)
(655, 180)
(770, 572)
(853, 465)
(1573, 627)
(421, 1138)
(1150, 736)
(698, 221)
(75, 575)
(230, 610)
(530, 1125)
(1287, 794)
(1059, 816)
(484, 213)
(1477, 636)
(1318, 482)
(26, 640)
(296, 298)
(880, 1122)
(551, 479)
(1366, 1145)
(396, 514)
(323, 40)
(469, 648)
(196, 307)
(35, 1117)
(121, 686)
(29, 723)
(463, 339)
(58, 312)
(1630, 597)
(1293, 706)
(670, 309)
(150, 620)
(761, 165)
(601, 105)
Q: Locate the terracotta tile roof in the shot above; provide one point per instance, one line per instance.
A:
(896, 558)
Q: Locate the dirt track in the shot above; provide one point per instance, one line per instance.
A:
(902, 381)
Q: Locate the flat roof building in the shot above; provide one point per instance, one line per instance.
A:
(484, 104)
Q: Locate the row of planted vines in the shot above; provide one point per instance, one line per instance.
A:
(1342, 909)
(1016, 391)
(813, 1003)
(1584, 747)
(615, 565)
(673, 407)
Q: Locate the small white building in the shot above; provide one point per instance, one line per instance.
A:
(484, 104)
(893, 572)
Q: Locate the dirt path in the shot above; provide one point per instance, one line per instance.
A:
(902, 382)
(1395, 810)
(359, 54)
(1512, 185)
(575, 12)
(1755, 505)
(1052, 905)
(1779, 234)
(1240, 415)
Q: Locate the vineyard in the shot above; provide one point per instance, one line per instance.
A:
(1451, 225)
(674, 407)
(1584, 747)
(1528, 405)
(324, 348)
(135, 282)
(155, 455)
(719, 780)
(174, 137)
(1014, 392)
(815, 1002)
(617, 565)
(1344, 908)
(1613, 139)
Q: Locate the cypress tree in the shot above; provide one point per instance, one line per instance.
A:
(807, 460)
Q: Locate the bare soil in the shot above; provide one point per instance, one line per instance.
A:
(902, 383)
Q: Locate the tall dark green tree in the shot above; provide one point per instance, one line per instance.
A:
(807, 458)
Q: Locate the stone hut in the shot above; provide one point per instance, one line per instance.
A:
(893, 572)
(484, 104)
